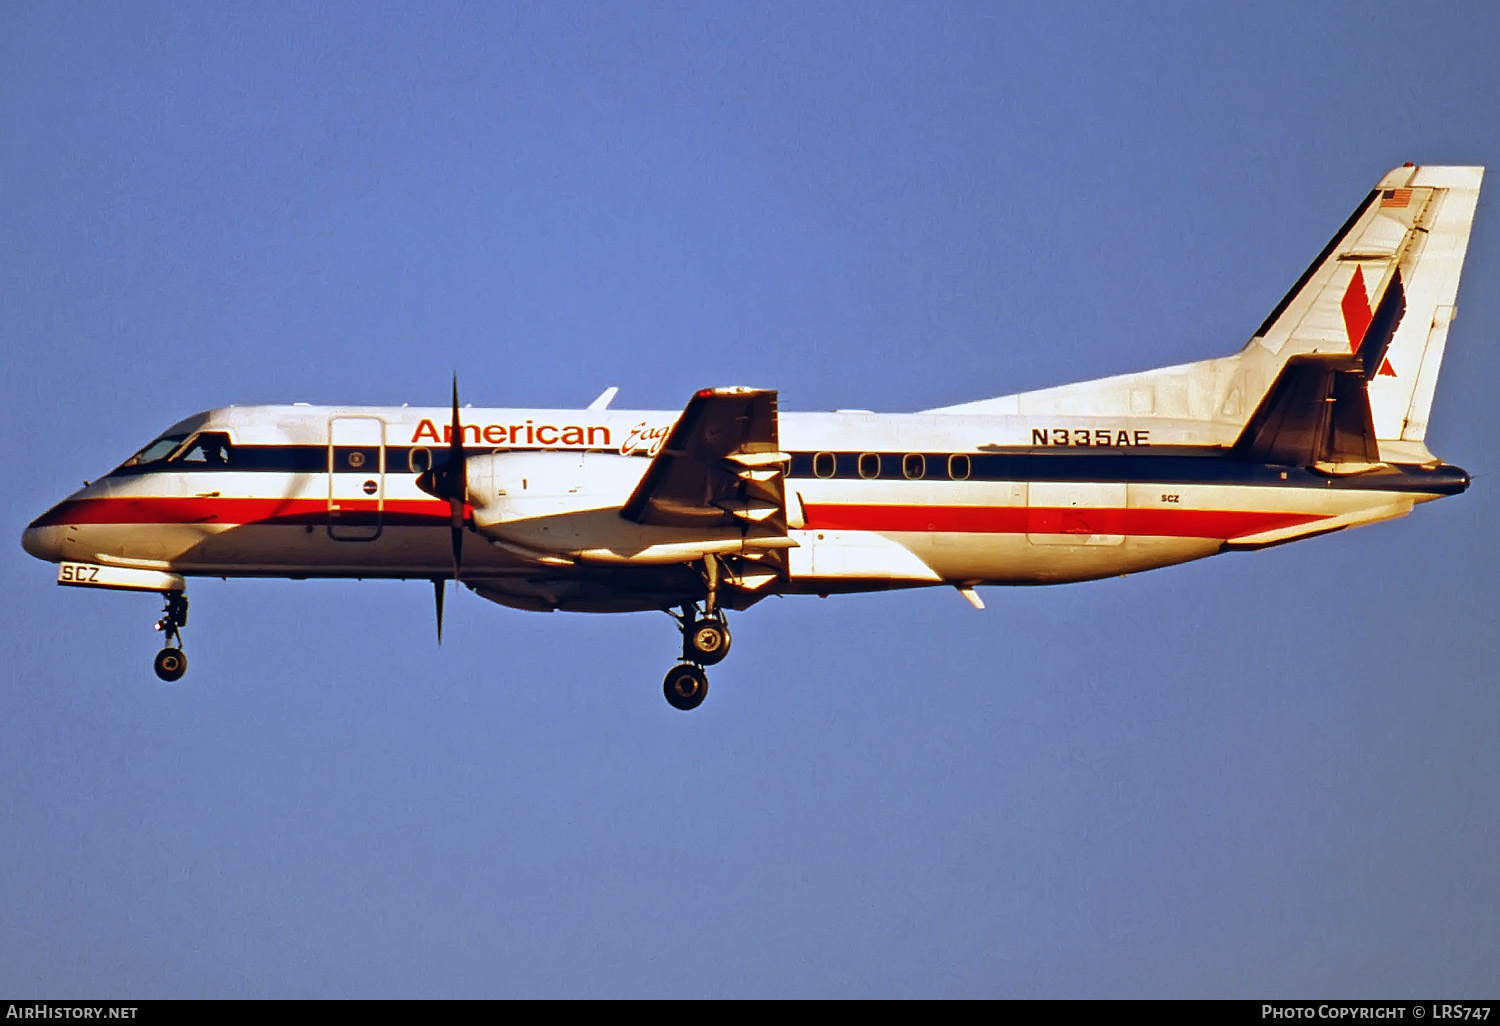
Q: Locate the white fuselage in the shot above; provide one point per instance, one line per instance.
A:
(873, 500)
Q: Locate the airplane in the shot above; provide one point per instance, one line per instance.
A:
(1317, 424)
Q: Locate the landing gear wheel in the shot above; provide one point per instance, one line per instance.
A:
(171, 664)
(706, 642)
(685, 687)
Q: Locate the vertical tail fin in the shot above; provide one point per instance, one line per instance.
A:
(1382, 293)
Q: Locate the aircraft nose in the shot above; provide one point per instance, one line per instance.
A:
(41, 543)
(43, 538)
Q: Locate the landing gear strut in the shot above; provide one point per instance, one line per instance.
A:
(705, 641)
(171, 661)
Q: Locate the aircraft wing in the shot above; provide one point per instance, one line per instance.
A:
(722, 466)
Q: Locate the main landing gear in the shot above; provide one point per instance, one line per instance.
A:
(705, 641)
(171, 662)
(686, 686)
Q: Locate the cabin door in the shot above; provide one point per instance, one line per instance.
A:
(356, 478)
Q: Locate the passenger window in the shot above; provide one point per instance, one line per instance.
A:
(958, 466)
(419, 460)
(211, 448)
(914, 466)
(824, 464)
(869, 464)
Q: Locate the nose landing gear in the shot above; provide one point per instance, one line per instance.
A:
(170, 664)
(171, 661)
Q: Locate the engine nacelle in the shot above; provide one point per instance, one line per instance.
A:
(567, 505)
(513, 486)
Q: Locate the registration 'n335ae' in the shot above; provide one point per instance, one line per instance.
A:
(1317, 424)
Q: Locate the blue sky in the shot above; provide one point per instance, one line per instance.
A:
(1268, 774)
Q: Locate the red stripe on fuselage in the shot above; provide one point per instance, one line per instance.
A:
(233, 512)
(1178, 523)
(1171, 523)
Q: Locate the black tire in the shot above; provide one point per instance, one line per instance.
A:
(706, 642)
(170, 664)
(685, 687)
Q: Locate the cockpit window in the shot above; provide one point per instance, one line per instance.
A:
(156, 451)
(203, 450)
(210, 447)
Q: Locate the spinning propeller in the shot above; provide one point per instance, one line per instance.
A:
(450, 480)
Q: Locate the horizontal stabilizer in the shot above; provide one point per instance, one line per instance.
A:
(1317, 412)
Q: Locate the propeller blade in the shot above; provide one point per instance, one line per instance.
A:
(456, 533)
(456, 436)
(458, 482)
(457, 470)
(438, 584)
(450, 480)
